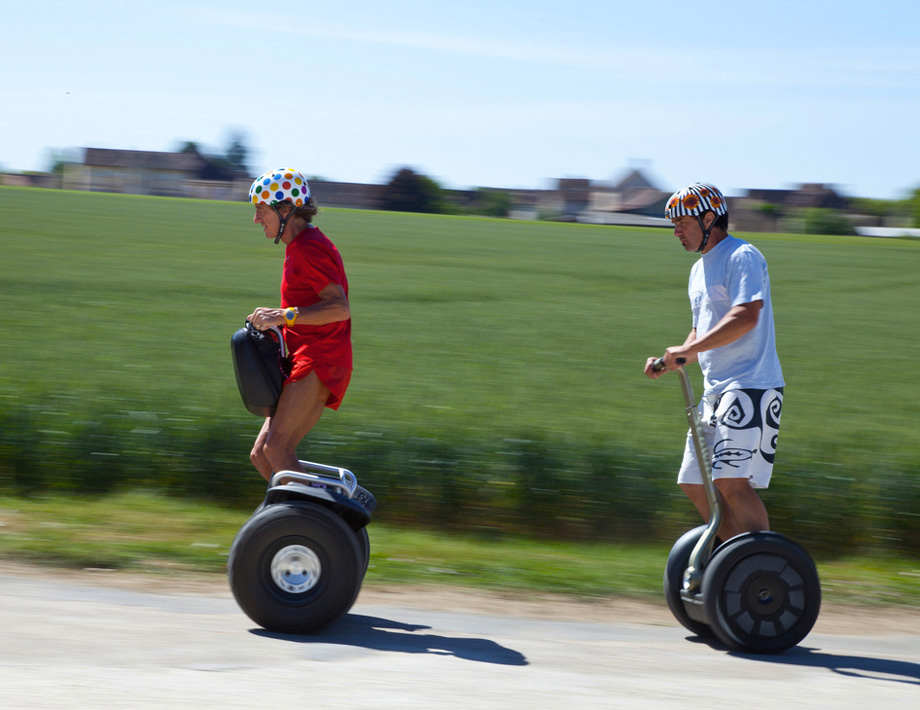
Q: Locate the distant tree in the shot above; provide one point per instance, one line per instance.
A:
(914, 207)
(871, 206)
(409, 191)
(825, 221)
(880, 209)
(237, 152)
(57, 161)
(771, 212)
(492, 203)
(189, 147)
(219, 166)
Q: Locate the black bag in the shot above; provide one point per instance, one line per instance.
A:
(261, 367)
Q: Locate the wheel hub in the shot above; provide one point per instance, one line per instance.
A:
(296, 569)
(766, 596)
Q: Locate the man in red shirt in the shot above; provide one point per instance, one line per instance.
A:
(315, 315)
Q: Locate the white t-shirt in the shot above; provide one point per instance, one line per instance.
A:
(734, 272)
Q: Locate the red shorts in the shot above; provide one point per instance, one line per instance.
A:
(334, 377)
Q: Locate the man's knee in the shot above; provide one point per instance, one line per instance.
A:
(735, 489)
(277, 454)
(257, 455)
(259, 461)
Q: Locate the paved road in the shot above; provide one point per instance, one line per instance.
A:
(70, 645)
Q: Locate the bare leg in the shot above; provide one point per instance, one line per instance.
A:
(748, 511)
(742, 509)
(697, 496)
(257, 455)
(299, 409)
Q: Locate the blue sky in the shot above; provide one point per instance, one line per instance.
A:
(497, 93)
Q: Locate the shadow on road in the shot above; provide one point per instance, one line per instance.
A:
(853, 666)
(394, 636)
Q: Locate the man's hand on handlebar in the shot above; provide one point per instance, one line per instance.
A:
(673, 358)
(264, 318)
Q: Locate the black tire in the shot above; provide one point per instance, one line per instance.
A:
(762, 593)
(364, 547)
(674, 580)
(294, 567)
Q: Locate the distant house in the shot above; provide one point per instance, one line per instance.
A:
(138, 172)
(574, 194)
(30, 180)
(633, 200)
(350, 195)
(806, 195)
(762, 210)
(134, 172)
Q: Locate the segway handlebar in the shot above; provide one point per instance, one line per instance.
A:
(700, 555)
(658, 365)
(276, 330)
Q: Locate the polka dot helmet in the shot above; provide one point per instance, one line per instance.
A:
(279, 185)
(695, 200)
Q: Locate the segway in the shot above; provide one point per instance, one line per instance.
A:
(296, 566)
(757, 592)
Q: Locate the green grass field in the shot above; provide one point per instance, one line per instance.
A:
(460, 324)
(474, 338)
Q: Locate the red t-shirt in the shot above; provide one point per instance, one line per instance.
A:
(311, 262)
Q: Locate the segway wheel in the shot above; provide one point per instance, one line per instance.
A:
(364, 548)
(295, 567)
(674, 581)
(762, 593)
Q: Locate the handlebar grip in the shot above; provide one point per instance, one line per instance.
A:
(279, 335)
(658, 365)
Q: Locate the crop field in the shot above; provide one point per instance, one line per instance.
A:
(498, 366)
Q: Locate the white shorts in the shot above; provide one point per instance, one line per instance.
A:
(741, 428)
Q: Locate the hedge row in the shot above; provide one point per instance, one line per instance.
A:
(524, 486)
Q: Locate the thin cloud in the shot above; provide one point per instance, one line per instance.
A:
(650, 63)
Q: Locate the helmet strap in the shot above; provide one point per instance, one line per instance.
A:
(706, 232)
(283, 219)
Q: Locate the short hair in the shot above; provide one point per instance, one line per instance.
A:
(307, 211)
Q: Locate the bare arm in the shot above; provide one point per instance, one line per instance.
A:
(332, 307)
(739, 320)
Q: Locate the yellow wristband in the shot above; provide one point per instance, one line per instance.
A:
(290, 315)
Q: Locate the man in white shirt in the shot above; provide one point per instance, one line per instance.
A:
(732, 338)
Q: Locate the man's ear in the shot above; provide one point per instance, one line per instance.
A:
(709, 218)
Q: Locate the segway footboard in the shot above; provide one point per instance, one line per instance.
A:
(341, 495)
